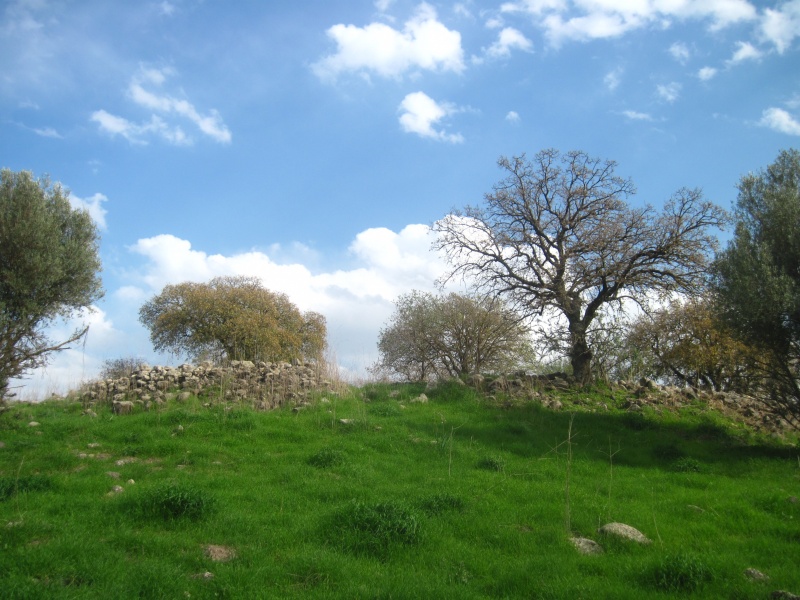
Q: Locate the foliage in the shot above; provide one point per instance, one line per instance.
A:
(375, 529)
(679, 573)
(686, 343)
(48, 270)
(557, 238)
(431, 337)
(116, 368)
(171, 500)
(758, 278)
(234, 318)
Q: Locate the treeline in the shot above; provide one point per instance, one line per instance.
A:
(561, 267)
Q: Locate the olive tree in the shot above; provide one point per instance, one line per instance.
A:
(432, 336)
(758, 278)
(234, 318)
(49, 268)
(557, 238)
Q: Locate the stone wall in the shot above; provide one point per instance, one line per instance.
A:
(265, 385)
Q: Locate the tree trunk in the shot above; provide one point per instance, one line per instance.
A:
(580, 354)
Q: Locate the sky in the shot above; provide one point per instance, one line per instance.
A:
(314, 143)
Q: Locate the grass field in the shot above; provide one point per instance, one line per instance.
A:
(368, 494)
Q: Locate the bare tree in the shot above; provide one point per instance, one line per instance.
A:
(557, 236)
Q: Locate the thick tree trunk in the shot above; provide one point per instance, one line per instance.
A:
(580, 354)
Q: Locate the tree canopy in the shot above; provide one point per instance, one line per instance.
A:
(233, 318)
(758, 277)
(49, 268)
(432, 336)
(557, 237)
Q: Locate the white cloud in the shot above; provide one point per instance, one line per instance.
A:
(680, 52)
(383, 5)
(513, 117)
(420, 113)
(669, 92)
(781, 121)
(584, 20)
(509, 39)
(141, 92)
(706, 73)
(613, 78)
(424, 43)
(93, 205)
(744, 51)
(47, 132)
(636, 116)
(782, 25)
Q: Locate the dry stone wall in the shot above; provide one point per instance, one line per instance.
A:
(265, 385)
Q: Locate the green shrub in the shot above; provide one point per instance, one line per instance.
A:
(436, 504)
(492, 463)
(171, 500)
(385, 410)
(326, 457)
(678, 573)
(25, 483)
(375, 529)
(687, 465)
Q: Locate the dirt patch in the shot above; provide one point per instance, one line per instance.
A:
(219, 553)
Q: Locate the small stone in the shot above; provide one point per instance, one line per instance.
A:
(755, 575)
(117, 489)
(346, 421)
(587, 546)
(113, 474)
(33, 424)
(784, 595)
(421, 399)
(131, 481)
(93, 445)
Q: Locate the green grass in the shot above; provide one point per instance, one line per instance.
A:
(461, 497)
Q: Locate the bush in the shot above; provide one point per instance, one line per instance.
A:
(117, 368)
(171, 500)
(678, 573)
(326, 457)
(26, 483)
(375, 529)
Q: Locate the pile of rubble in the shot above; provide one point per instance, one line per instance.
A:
(266, 385)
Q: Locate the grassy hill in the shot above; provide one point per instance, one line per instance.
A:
(373, 493)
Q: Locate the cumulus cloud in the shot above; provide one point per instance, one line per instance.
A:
(744, 51)
(421, 113)
(356, 302)
(423, 43)
(780, 26)
(583, 20)
(509, 39)
(781, 121)
(669, 92)
(145, 91)
(513, 117)
(93, 205)
(706, 73)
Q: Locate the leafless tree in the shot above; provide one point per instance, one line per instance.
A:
(557, 236)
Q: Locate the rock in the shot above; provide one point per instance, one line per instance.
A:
(755, 575)
(219, 553)
(784, 595)
(624, 531)
(587, 546)
(33, 424)
(113, 474)
(421, 399)
(124, 407)
(346, 421)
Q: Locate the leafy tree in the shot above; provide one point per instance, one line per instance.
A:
(758, 277)
(49, 268)
(556, 237)
(234, 318)
(447, 336)
(686, 343)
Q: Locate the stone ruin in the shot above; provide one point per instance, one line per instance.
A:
(265, 385)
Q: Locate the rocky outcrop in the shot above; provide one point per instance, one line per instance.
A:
(266, 385)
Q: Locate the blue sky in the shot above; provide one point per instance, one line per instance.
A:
(313, 143)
